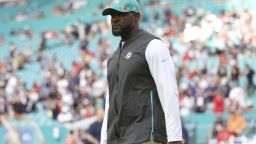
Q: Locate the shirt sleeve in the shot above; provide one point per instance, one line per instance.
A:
(103, 139)
(162, 69)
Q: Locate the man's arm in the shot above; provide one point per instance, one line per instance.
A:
(103, 139)
(162, 69)
(91, 138)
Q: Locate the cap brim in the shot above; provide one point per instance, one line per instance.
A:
(109, 11)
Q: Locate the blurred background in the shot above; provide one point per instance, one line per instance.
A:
(53, 57)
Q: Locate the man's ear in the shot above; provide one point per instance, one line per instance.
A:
(137, 17)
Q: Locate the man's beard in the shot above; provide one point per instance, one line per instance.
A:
(123, 30)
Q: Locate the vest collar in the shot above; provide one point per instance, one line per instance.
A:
(137, 35)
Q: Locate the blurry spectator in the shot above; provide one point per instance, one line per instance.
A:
(236, 123)
(67, 99)
(19, 104)
(74, 31)
(88, 138)
(218, 103)
(222, 71)
(223, 60)
(76, 115)
(72, 138)
(62, 85)
(211, 88)
(223, 135)
(45, 89)
(51, 103)
(65, 116)
(87, 109)
(95, 128)
(234, 81)
(70, 34)
(250, 118)
(249, 74)
(11, 85)
(26, 33)
(186, 102)
(43, 42)
(32, 98)
(224, 87)
(84, 44)
(104, 50)
(1, 65)
(76, 68)
(237, 95)
(98, 89)
(94, 132)
(18, 61)
(218, 125)
(12, 49)
(28, 54)
(73, 87)
(200, 101)
(3, 103)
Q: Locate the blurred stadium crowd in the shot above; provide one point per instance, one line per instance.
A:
(214, 53)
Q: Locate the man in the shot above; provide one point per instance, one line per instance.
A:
(142, 101)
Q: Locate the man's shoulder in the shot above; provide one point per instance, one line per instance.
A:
(149, 34)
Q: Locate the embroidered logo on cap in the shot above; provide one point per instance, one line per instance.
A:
(125, 7)
(117, 1)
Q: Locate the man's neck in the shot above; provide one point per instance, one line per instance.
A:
(128, 36)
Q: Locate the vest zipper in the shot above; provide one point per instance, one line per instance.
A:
(117, 78)
(152, 115)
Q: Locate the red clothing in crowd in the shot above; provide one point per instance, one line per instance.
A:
(1, 65)
(76, 68)
(218, 103)
(223, 136)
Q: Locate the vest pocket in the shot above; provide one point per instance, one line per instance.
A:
(132, 110)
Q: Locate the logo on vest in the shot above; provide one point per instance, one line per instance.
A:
(128, 55)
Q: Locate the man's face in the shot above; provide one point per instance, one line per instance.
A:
(121, 23)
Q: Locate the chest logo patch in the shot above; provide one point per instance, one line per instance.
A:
(128, 55)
